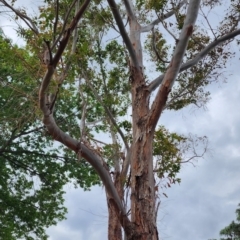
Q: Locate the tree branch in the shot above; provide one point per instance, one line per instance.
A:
(170, 33)
(12, 137)
(56, 19)
(51, 67)
(92, 158)
(129, 8)
(160, 19)
(75, 35)
(116, 156)
(174, 67)
(155, 83)
(123, 32)
(205, 17)
(67, 140)
(82, 124)
(19, 164)
(64, 24)
(93, 123)
(23, 16)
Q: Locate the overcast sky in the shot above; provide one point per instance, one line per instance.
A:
(205, 201)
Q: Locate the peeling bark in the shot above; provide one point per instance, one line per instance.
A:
(114, 226)
(142, 179)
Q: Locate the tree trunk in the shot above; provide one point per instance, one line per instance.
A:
(114, 225)
(143, 213)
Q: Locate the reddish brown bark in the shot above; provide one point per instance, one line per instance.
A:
(114, 225)
(143, 214)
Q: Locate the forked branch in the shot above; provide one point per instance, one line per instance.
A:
(56, 19)
(65, 23)
(90, 156)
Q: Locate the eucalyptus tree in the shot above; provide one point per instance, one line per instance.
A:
(98, 63)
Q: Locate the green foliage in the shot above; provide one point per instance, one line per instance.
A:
(180, 18)
(33, 171)
(171, 150)
(167, 149)
(156, 5)
(158, 48)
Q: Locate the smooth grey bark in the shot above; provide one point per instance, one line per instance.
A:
(175, 64)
